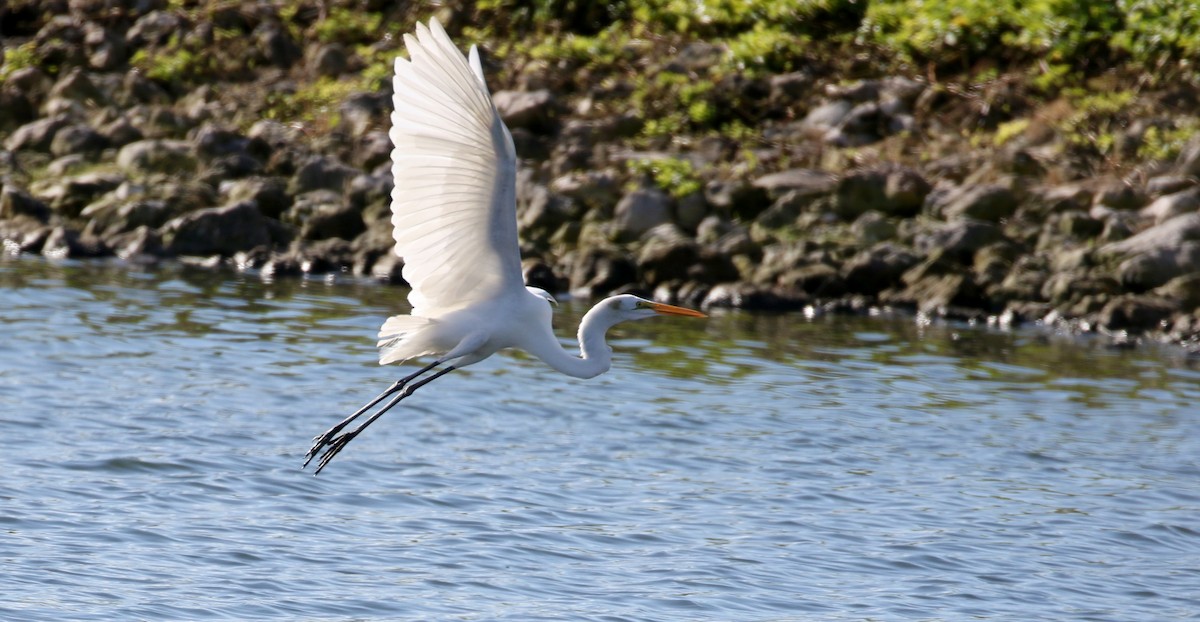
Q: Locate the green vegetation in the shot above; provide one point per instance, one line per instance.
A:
(676, 176)
(18, 57)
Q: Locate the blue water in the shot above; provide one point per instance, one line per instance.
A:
(744, 467)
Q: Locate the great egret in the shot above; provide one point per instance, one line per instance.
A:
(454, 219)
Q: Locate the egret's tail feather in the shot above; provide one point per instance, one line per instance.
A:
(403, 337)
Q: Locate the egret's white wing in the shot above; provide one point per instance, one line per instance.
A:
(454, 204)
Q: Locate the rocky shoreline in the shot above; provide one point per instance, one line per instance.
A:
(849, 192)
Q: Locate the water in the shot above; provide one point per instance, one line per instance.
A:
(745, 467)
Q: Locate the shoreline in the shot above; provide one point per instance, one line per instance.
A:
(649, 164)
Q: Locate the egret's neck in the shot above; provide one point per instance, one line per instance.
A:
(595, 355)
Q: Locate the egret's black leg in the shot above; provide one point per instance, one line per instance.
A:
(323, 439)
(337, 443)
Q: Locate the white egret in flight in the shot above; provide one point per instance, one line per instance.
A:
(454, 219)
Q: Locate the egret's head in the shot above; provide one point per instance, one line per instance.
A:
(628, 307)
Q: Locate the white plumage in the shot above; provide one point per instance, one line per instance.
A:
(455, 224)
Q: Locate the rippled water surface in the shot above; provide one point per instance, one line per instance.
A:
(744, 467)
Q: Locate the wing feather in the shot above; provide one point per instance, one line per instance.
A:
(454, 203)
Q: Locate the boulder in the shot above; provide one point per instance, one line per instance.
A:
(1136, 313)
(960, 238)
(321, 173)
(667, 255)
(16, 202)
(753, 297)
(641, 210)
(65, 242)
(599, 271)
(874, 270)
(157, 156)
(1166, 235)
(217, 231)
(895, 190)
(1155, 267)
(532, 110)
(322, 214)
(78, 138)
(802, 180)
(990, 202)
(36, 135)
(1169, 206)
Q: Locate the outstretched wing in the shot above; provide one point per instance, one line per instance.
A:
(454, 204)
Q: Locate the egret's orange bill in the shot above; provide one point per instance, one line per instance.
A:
(673, 310)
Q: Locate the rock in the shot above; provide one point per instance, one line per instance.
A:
(123, 217)
(1118, 196)
(64, 242)
(872, 271)
(142, 245)
(753, 297)
(1169, 206)
(959, 239)
(1064, 288)
(105, 47)
(31, 81)
(695, 56)
(321, 214)
(1155, 267)
(865, 124)
(690, 210)
(1135, 313)
(532, 110)
(16, 202)
(36, 135)
(1168, 184)
(211, 141)
(372, 196)
(895, 190)
(330, 60)
(1163, 236)
(1079, 225)
(1187, 164)
(154, 29)
(217, 231)
(736, 198)
(18, 109)
(538, 273)
(596, 191)
(938, 283)
(1183, 289)
(803, 180)
(641, 210)
(667, 255)
(80, 139)
(157, 156)
(70, 195)
(75, 85)
(872, 227)
(121, 132)
(817, 279)
(990, 202)
(828, 116)
(596, 272)
(275, 45)
(790, 87)
(362, 112)
(321, 173)
(544, 213)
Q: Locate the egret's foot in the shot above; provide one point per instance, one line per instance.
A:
(319, 442)
(335, 445)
